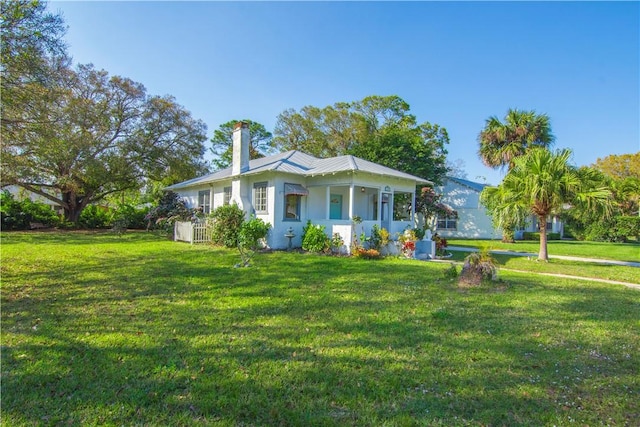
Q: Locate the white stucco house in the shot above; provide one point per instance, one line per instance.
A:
(473, 221)
(288, 189)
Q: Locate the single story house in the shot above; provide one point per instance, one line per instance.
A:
(288, 189)
(473, 221)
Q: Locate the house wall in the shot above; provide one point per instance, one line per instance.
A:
(314, 206)
(473, 220)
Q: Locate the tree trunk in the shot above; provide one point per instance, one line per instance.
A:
(542, 225)
(73, 206)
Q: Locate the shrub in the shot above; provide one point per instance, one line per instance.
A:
(95, 217)
(629, 226)
(441, 245)
(367, 253)
(314, 239)
(531, 235)
(19, 214)
(129, 216)
(384, 237)
(408, 248)
(451, 272)
(375, 241)
(336, 243)
(478, 267)
(227, 223)
(171, 208)
(419, 233)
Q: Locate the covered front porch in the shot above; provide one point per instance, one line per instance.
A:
(353, 209)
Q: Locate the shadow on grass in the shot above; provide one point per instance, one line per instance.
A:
(175, 335)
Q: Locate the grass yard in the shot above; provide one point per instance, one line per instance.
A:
(601, 250)
(139, 330)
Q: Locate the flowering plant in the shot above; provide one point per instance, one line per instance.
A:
(441, 245)
(408, 248)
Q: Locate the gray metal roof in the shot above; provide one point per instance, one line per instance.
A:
(299, 163)
(476, 186)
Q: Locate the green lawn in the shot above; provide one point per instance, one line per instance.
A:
(139, 330)
(601, 250)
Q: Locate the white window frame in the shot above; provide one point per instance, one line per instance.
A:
(226, 196)
(204, 201)
(450, 223)
(261, 197)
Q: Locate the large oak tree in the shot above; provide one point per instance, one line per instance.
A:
(93, 135)
(77, 135)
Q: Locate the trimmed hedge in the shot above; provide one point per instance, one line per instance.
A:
(531, 235)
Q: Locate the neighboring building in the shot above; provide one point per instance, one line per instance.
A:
(288, 189)
(473, 221)
(20, 193)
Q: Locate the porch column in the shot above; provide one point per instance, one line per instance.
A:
(414, 214)
(327, 213)
(351, 195)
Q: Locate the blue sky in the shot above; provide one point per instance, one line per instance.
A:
(455, 63)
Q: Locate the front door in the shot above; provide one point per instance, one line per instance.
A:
(335, 207)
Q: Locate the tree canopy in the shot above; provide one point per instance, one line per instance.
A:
(503, 142)
(75, 135)
(376, 128)
(620, 166)
(33, 52)
(222, 142)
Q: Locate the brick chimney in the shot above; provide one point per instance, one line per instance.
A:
(241, 138)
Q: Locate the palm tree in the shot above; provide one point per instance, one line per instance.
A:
(502, 143)
(542, 183)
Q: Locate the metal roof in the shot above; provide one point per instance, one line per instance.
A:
(476, 186)
(299, 163)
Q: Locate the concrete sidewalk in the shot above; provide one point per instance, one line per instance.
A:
(532, 255)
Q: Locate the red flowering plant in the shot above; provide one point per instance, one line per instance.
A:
(408, 243)
(408, 248)
(441, 245)
(429, 205)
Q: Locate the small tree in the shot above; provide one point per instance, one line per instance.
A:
(252, 233)
(429, 204)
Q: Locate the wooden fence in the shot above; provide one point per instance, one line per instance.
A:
(192, 232)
